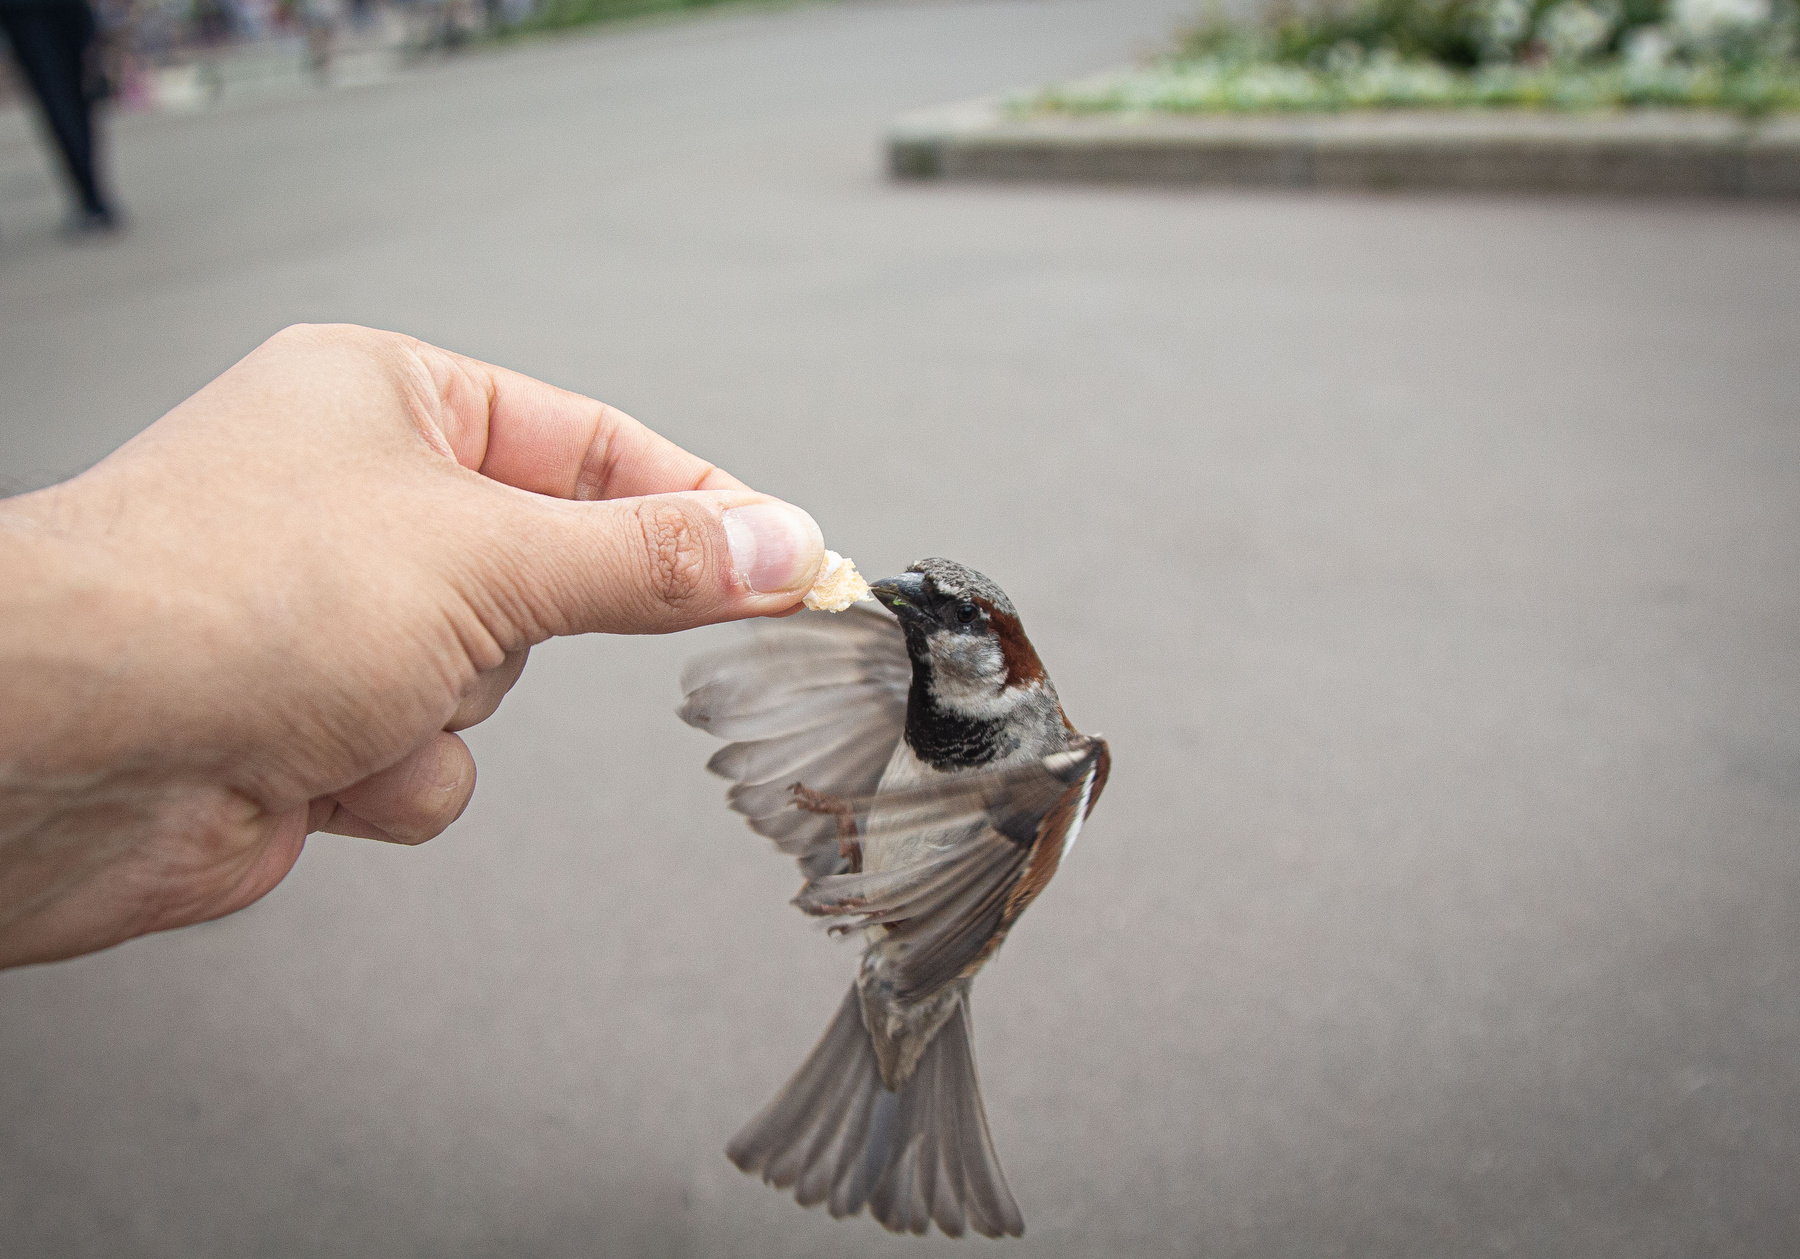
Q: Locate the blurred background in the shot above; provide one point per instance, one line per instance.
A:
(1430, 563)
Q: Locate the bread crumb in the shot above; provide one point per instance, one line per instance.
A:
(839, 585)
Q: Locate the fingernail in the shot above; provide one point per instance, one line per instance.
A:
(775, 547)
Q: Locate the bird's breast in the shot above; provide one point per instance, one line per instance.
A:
(896, 850)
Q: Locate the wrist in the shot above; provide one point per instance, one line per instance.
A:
(59, 644)
(85, 776)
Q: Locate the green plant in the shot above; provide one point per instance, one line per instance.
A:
(1214, 86)
(550, 15)
(1337, 35)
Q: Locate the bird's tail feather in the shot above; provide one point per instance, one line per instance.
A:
(836, 1135)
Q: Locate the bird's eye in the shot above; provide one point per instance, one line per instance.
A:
(965, 612)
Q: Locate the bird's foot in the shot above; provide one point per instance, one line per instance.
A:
(849, 840)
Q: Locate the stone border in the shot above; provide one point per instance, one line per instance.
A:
(1653, 152)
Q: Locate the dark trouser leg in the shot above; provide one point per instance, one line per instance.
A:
(50, 43)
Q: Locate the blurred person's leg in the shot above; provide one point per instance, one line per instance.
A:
(50, 41)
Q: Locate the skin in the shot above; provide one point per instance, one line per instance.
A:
(269, 613)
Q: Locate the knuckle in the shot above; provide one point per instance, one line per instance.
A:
(674, 551)
(296, 338)
(322, 334)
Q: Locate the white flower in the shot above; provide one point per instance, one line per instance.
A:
(1503, 24)
(1701, 20)
(1648, 48)
(1572, 29)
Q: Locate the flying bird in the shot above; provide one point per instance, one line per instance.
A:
(913, 755)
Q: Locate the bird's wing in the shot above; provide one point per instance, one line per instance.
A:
(951, 910)
(818, 698)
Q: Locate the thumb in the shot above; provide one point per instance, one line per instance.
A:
(654, 564)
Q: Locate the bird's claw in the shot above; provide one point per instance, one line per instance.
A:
(849, 839)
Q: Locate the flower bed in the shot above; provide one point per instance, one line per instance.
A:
(1328, 55)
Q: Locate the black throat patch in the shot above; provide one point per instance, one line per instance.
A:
(943, 739)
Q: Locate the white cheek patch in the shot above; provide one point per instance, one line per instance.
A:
(968, 676)
(988, 705)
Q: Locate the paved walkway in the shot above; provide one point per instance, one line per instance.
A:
(1430, 563)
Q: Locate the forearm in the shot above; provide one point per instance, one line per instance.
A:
(73, 788)
(54, 615)
(86, 630)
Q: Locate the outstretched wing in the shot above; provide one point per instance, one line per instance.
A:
(818, 698)
(951, 910)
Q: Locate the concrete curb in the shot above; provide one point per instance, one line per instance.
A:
(1648, 152)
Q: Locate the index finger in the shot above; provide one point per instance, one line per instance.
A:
(537, 437)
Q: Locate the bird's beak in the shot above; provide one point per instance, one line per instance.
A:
(904, 594)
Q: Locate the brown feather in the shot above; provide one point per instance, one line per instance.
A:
(1047, 848)
(1023, 668)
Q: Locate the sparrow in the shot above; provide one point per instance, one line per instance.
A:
(913, 755)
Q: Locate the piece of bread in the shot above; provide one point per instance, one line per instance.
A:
(839, 585)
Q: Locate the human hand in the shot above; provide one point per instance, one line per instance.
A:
(269, 612)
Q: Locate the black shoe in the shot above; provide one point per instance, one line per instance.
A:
(90, 221)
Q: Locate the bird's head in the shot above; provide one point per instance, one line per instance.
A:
(965, 639)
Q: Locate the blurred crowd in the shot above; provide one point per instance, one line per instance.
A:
(136, 38)
(70, 56)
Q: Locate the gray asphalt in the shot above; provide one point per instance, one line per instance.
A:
(1431, 564)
